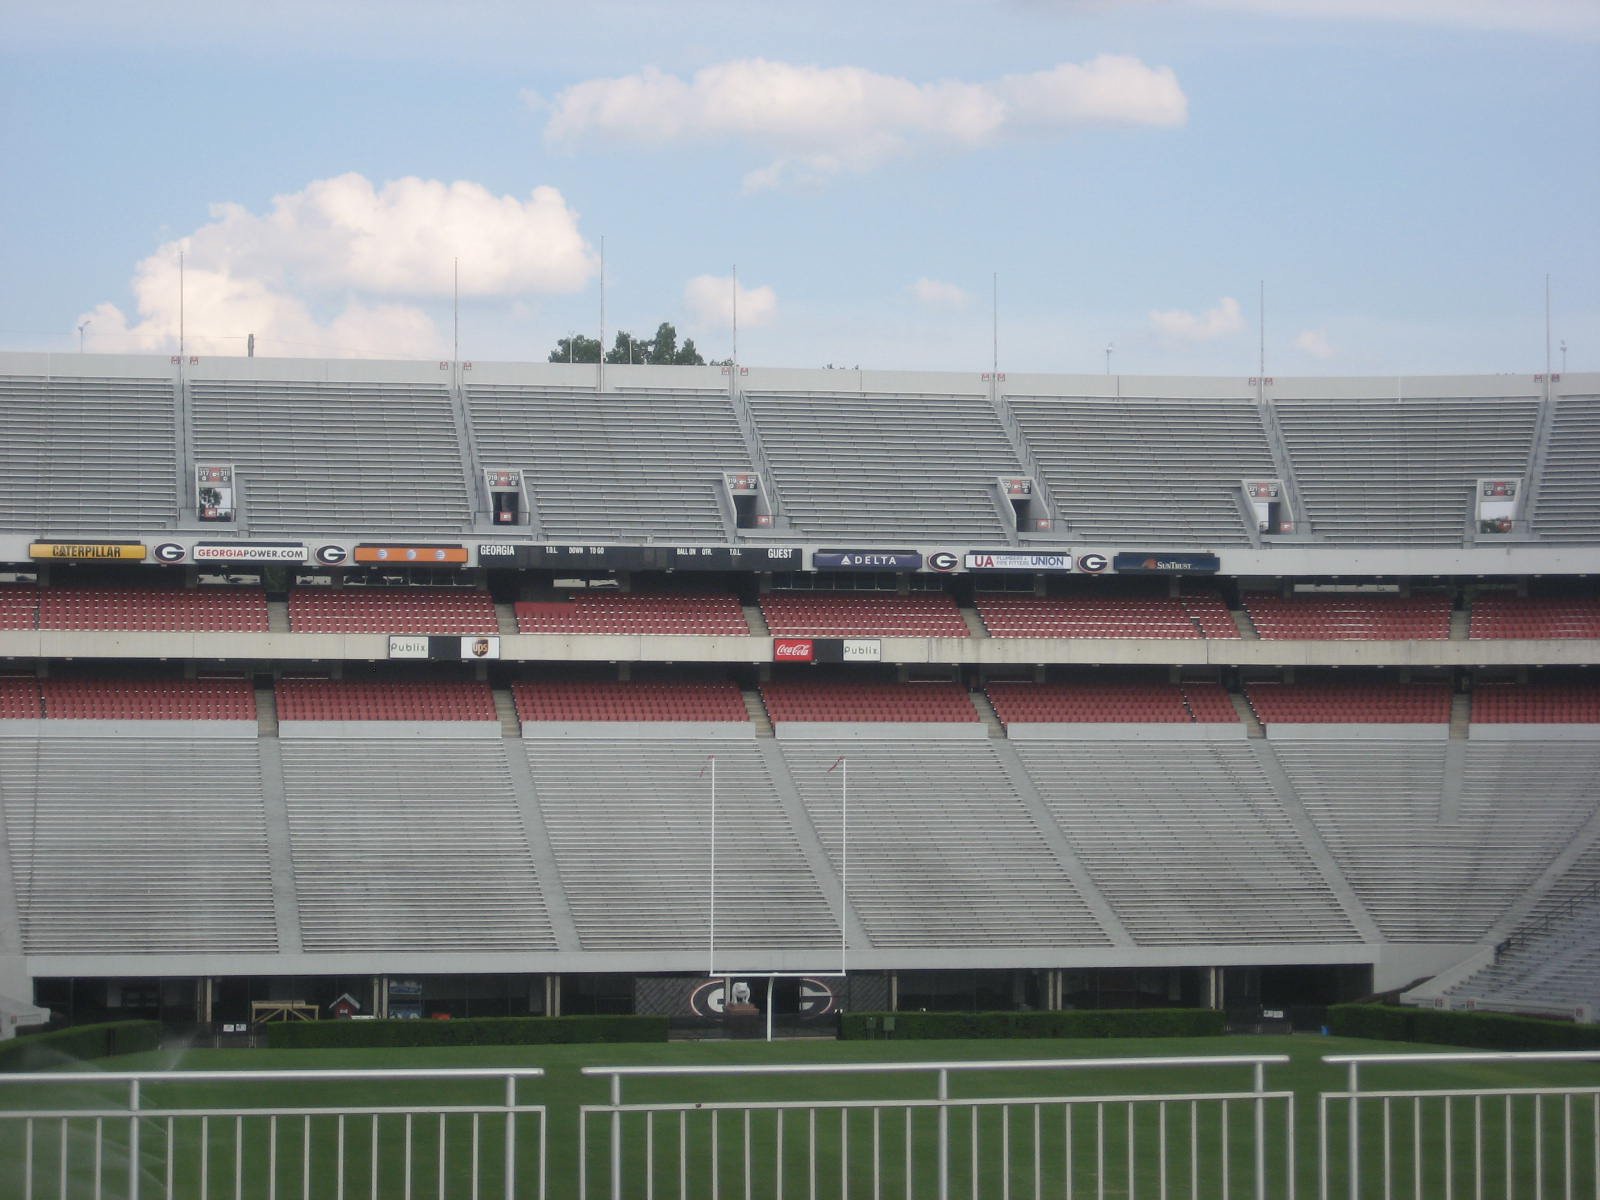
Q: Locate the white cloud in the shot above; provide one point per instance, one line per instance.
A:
(1314, 342)
(344, 247)
(710, 302)
(1527, 16)
(935, 293)
(820, 121)
(1180, 325)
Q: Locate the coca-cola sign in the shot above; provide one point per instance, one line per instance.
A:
(793, 650)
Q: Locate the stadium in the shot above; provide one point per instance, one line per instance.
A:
(476, 689)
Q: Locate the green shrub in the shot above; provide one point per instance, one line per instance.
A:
(42, 1051)
(1081, 1023)
(471, 1031)
(1485, 1031)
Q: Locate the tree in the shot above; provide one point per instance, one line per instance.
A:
(578, 349)
(662, 350)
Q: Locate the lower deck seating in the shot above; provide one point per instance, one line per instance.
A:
(137, 845)
(1353, 703)
(704, 613)
(148, 699)
(866, 614)
(364, 700)
(392, 610)
(1098, 703)
(616, 700)
(1350, 617)
(229, 609)
(1536, 704)
(797, 700)
(1502, 615)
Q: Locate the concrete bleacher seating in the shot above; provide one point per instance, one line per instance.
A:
(230, 609)
(423, 847)
(805, 700)
(362, 700)
(1138, 468)
(942, 850)
(705, 613)
(1349, 617)
(148, 699)
(1117, 703)
(875, 465)
(1430, 862)
(1503, 615)
(618, 465)
(1402, 470)
(1553, 967)
(392, 610)
(335, 454)
(1350, 703)
(862, 614)
(629, 826)
(1191, 616)
(1566, 501)
(618, 700)
(1189, 846)
(89, 456)
(1536, 704)
(137, 845)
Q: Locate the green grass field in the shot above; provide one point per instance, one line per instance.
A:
(564, 1089)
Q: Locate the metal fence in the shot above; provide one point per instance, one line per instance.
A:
(262, 1135)
(1439, 1143)
(1208, 1141)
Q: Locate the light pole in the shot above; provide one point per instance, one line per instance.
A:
(1110, 346)
(89, 322)
(1563, 356)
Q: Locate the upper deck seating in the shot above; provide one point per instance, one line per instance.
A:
(1536, 704)
(866, 465)
(392, 610)
(617, 700)
(1128, 469)
(865, 614)
(617, 465)
(1566, 505)
(1354, 703)
(1117, 703)
(1350, 617)
(384, 700)
(804, 700)
(227, 609)
(704, 613)
(87, 457)
(148, 699)
(335, 455)
(1503, 615)
(1402, 470)
(1011, 615)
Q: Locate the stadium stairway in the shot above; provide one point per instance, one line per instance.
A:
(505, 707)
(1241, 620)
(974, 624)
(505, 616)
(266, 713)
(757, 620)
(985, 706)
(757, 711)
(1460, 711)
(277, 615)
(1247, 715)
(1460, 626)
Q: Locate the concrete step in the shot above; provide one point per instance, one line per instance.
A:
(506, 709)
(991, 719)
(506, 616)
(974, 623)
(266, 713)
(1247, 714)
(758, 712)
(1460, 624)
(1460, 715)
(757, 620)
(278, 616)
(1241, 622)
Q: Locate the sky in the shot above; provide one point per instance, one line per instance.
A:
(934, 186)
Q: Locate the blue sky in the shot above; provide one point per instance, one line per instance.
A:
(1401, 174)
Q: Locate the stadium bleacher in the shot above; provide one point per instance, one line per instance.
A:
(1124, 703)
(1500, 615)
(608, 700)
(1350, 617)
(371, 700)
(865, 614)
(1187, 616)
(391, 610)
(804, 700)
(705, 613)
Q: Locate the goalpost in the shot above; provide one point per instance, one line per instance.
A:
(842, 765)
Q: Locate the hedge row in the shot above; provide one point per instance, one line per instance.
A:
(470, 1031)
(42, 1051)
(1080, 1023)
(1485, 1031)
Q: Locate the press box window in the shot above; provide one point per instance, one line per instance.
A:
(1268, 505)
(507, 503)
(749, 499)
(1497, 505)
(1027, 510)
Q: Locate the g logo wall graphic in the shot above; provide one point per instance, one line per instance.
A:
(1092, 563)
(331, 556)
(813, 997)
(942, 560)
(169, 552)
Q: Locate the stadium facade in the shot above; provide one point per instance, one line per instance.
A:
(425, 685)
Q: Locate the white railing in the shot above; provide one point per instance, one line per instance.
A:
(1201, 1143)
(1438, 1143)
(98, 1134)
